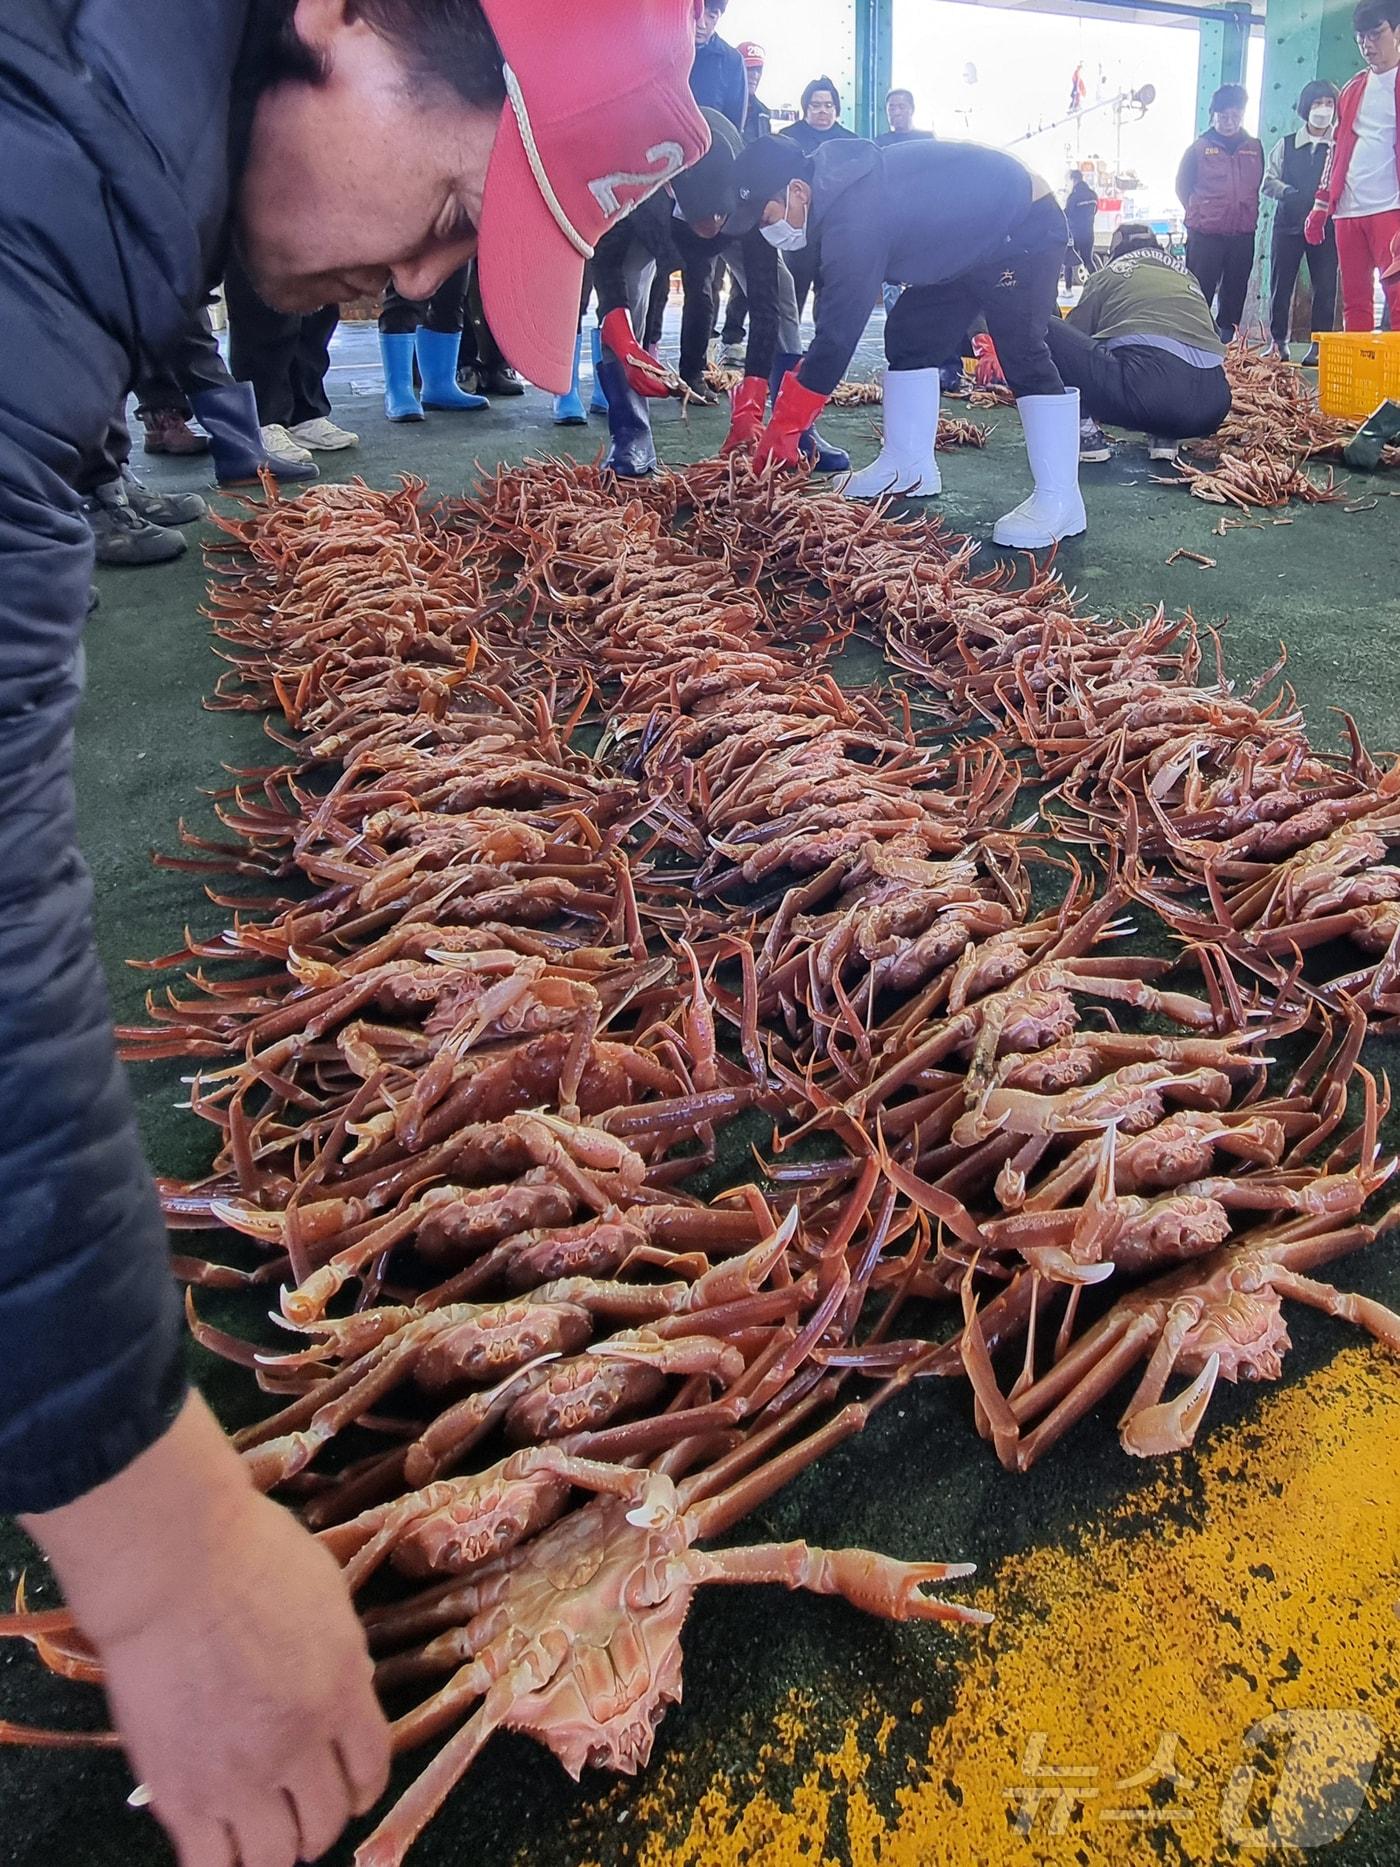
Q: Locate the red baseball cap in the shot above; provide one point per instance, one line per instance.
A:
(751, 53)
(598, 115)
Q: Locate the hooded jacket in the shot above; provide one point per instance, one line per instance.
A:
(115, 130)
(1334, 176)
(917, 214)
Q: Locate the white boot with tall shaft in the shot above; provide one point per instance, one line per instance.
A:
(1055, 509)
(905, 462)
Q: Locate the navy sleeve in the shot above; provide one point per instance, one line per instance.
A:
(851, 266)
(91, 1346)
(761, 264)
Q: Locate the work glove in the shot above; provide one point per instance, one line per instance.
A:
(793, 414)
(1315, 227)
(989, 374)
(644, 374)
(746, 414)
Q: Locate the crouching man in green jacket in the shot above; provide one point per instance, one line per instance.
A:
(1142, 350)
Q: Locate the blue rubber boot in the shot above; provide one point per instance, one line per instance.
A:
(598, 402)
(569, 411)
(400, 397)
(632, 452)
(437, 366)
(229, 414)
(824, 457)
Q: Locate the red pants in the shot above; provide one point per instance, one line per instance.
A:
(1363, 247)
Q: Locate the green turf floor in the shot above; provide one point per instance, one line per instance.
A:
(919, 1481)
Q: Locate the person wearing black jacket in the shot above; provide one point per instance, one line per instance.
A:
(1081, 211)
(758, 121)
(819, 124)
(674, 227)
(717, 80)
(899, 114)
(1291, 181)
(133, 141)
(966, 231)
(718, 83)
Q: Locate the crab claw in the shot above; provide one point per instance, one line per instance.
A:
(1061, 1268)
(1171, 1425)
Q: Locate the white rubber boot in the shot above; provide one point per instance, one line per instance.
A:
(905, 462)
(1055, 509)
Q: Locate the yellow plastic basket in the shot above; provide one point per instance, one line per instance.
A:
(1356, 372)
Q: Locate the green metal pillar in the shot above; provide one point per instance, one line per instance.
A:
(1303, 39)
(1224, 44)
(873, 60)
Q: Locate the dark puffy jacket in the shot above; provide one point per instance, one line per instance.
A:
(809, 141)
(717, 79)
(114, 165)
(917, 214)
(1218, 184)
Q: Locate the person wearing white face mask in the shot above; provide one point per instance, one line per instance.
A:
(1291, 182)
(966, 231)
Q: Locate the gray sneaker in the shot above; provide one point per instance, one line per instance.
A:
(162, 508)
(1094, 444)
(121, 535)
(1159, 448)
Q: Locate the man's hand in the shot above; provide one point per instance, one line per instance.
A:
(643, 372)
(1315, 227)
(746, 414)
(236, 1670)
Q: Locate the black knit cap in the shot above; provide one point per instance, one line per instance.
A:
(761, 175)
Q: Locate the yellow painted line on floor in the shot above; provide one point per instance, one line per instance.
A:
(1210, 1691)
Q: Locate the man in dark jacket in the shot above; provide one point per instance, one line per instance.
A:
(1291, 182)
(966, 231)
(685, 225)
(758, 121)
(717, 76)
(1218, 184)
(130, 137)
(1081, 211)
(899, 114)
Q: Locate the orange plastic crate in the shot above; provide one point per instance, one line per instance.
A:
(1356, 372)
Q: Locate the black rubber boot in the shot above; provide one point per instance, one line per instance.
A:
(632, 452)
(229, 414)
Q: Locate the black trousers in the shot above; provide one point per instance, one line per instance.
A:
(444, 311)
(1222, 263)
(697, 306)
(736, 309)
(1286, 254)
(1139, 386)
(284, 355)
(1016, 296)
(195, 363)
